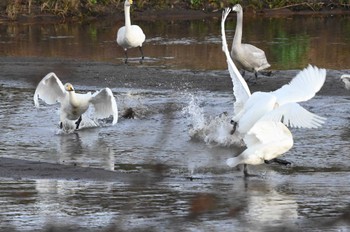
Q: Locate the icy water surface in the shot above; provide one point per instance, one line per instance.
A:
(308, 196)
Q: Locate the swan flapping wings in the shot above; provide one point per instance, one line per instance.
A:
(73, 105)
(50, 89)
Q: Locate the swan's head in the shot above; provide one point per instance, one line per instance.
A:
(237, 8)
(128, 2)
(68, 87)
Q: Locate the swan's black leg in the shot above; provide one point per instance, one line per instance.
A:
(78, 123)
(61, 125)
(245, 171)
(279, 161)
(256, 75)
(234, 127)
(142, 56)
(126, 56)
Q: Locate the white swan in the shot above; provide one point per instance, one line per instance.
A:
(278, 105)
(259, 116)
(130, 36)
(73, 105)
(346, 79)
(265, 141)
(246, 56)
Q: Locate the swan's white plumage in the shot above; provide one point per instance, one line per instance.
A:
(265, 141)
(51, 89)
(240, 87)
(303, 86)
(130, 36)
(246, 56)
(262, 117)
(346, 79)
(73, 105)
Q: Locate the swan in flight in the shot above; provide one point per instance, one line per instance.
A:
(73, 105)
(255, 113)
(246, 56)
(130, 36)
(346, 79)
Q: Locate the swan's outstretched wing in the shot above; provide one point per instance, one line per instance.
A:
(303, 87)
(294, 115)
(240, 87)
(105, 104)
(50, 89)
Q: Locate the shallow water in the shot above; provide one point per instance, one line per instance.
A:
(316, 186)
(308, 196)
(289, 43)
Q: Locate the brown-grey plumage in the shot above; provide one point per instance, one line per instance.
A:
(246, 56)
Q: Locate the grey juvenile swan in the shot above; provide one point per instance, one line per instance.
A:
(246, 56)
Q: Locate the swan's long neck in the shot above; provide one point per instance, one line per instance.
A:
(238, 34)
(127, 17)
(73, 99)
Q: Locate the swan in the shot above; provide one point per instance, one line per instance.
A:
(346, 79)
(246, 56)
(279, 105)
(73, 105)
(261, 118)
(265, 141)
(130, 36)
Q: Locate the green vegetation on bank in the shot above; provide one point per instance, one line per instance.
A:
(12, 9)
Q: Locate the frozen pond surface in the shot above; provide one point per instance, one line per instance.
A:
(311, 194)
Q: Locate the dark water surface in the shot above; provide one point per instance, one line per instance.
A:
(311, 195)
(289, 43)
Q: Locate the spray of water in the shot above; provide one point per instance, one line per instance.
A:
(212, 130)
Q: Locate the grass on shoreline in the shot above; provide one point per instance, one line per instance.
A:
(80, 9)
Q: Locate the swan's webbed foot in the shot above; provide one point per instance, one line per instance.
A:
(234, 127)
(279, 161)
(78, 123)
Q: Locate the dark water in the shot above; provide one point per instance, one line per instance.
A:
(289, 43)
(311, 195)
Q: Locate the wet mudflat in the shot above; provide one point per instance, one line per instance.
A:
(136, 175)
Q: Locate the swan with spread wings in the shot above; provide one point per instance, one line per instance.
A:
(260, 119)
(73, 105)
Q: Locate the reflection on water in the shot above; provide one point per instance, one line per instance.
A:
(289, 43)
(218, 199)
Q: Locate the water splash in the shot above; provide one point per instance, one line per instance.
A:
(213, 130)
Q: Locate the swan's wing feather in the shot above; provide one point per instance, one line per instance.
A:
(303, 87)
(240, 87)
(294, 115)
(105, 104)
(50, 89)
(266, 132)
